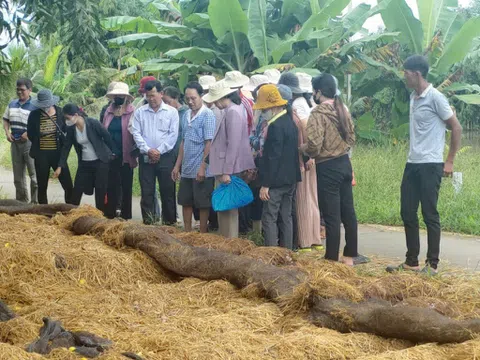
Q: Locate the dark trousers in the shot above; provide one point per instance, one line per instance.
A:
(44, 161)
(421, 184)
(294, 221)
(335, 199)
(91, 176)
(163, 172)
(279, 206)
(120, 183)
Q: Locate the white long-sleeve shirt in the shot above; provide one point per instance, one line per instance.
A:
(155, 129)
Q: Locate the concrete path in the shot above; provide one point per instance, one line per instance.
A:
(385, 242)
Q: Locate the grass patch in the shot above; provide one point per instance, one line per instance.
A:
(379, 172)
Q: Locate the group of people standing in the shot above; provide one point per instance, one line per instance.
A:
(287, 135)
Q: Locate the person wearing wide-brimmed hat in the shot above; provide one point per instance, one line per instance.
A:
(236, 80)
(120, 176)
(230, 152)
(279, 167)
(46, 131)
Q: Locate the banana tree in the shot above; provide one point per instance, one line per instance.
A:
(441, 33)
(247, 35)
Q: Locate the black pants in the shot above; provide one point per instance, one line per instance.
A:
(335, 197)
(120, 183)
(44, 161)
(91, 176)
(421, 184)
(163, 172)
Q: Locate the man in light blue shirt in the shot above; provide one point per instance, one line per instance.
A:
(430, 116)
(155, 131)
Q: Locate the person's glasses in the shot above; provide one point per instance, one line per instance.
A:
(22, 90)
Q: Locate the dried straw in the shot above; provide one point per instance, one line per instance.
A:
(124, 296)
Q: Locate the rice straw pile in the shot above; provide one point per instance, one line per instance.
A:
(122, 295)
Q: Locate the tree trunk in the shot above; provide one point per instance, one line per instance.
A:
(373, 316)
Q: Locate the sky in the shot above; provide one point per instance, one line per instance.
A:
(375, 22)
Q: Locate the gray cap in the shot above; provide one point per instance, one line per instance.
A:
(45, 99)
(291, 80)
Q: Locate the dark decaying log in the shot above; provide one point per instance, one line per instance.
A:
(5, 312)
(45, 210)
(373, 316)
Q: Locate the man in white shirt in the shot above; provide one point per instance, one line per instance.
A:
(430, 117)
(155, 131)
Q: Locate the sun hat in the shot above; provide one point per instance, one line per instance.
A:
(235, 79)
(305, 82)
(206, 81)
(217, 91)
(291, 80)
(285, 92)
(119, 88)
(255, 81)
(269, 97)
(143, 82)
(273, 75)
(45, 99)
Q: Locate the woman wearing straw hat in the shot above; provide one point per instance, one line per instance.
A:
(280, 167)
(46, 131)
(307, 210)
(230, 152)
(120, 176)
(93, 145)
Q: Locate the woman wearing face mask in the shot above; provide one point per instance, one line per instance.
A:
(93, 145)
(230, 152)
(46, 131)
(330, 135)
(120, 176)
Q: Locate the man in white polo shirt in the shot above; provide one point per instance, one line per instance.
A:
(430, 117)
(15, 121)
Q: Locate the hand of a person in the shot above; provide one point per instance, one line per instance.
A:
(264, 195)
(448, 169)
(24, 136)
(154, 156)
(57, 173)
(201, 173)
(176, 173)
(9, 136)
(225, 179)
(310, 164)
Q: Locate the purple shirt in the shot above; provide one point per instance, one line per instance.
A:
(230, 152)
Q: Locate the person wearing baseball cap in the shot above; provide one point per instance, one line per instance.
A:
(279, 167)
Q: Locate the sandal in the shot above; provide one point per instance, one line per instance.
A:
(318, 247)
(401, 267)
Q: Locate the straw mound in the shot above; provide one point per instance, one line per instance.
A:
(123, 296)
